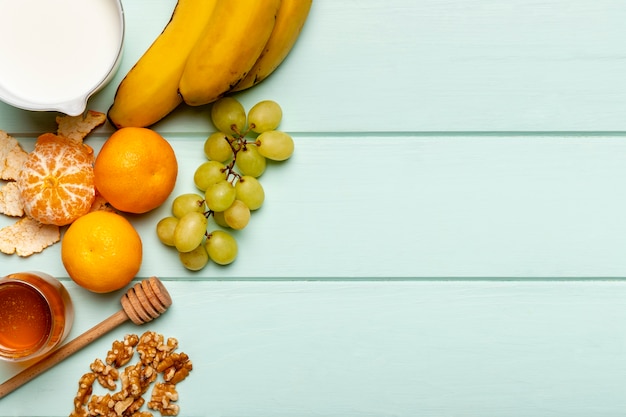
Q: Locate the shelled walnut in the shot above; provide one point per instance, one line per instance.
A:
(85, 388)
(101, 405)
(153, 349)
(175, 367)
(122, 351)
(106, 374)
(138, 378)
(157, 359)
(163, 395)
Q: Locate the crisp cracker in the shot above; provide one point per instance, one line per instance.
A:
(10, 202)
(12, 157)
(78, 127)
(28, 236)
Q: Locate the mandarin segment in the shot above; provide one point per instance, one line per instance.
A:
(57, 180)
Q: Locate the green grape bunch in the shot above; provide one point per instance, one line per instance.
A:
(227, 184)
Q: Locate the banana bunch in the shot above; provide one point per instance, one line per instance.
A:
(208, 48)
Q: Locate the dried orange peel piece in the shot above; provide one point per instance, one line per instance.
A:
(12, 157)
(78, 127)
(10, 202)
(27, 237)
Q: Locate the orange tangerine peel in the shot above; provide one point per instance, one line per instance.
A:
(63, 166)
(12, 157)
(10, 202)
(27, 236)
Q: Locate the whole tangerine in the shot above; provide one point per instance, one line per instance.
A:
(101, 251)
(136, 170)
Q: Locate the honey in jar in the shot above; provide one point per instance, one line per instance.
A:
(36, 314)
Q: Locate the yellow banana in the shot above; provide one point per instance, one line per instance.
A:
(149, 91)
(230, 45)
(289, 22)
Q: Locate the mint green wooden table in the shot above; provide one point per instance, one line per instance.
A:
(449, 238)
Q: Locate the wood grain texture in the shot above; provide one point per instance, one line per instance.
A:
(376, 349)
(416, 206)
(447, 240)
(427, 65)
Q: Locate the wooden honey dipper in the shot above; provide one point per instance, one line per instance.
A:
(143, 302)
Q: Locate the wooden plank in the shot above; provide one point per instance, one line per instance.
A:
(416, 206)
(375, 348)
(428, 65)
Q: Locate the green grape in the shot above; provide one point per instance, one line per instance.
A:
(220, 195)
(185, 203)
(275, 145)
(237, 216)
(196, 259)
(218, 216)
(250, 162)
(250, 191)
(228, 115)
(208, 173)
(217, 147)
(265, 115)
(190, 231)
(165, 230)
(221, 247)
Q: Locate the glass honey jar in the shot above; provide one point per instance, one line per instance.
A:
(36, 315)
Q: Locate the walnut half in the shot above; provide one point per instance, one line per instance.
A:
(107, 375)
(175, 367)
(122, 351)
(85, 388)
(163, 394)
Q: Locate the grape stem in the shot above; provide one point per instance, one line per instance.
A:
(237, 144)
